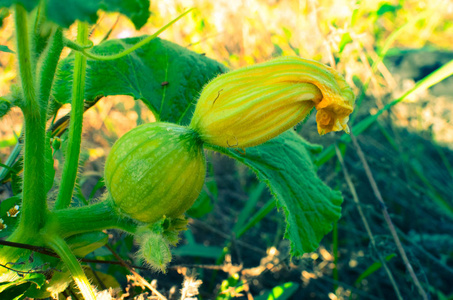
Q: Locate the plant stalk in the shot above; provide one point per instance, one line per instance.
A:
(94, 217)
(64, 252)
(47, 69)
(81, 47)
(366, 225)
(75, 128)
(34, 197)
(387, 218)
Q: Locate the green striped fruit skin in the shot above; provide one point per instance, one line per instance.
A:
(155, 170)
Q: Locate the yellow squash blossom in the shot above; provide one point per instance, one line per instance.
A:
(249, 106)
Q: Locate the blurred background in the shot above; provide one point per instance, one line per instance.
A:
(383, 48)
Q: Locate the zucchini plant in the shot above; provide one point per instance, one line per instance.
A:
(155, 172)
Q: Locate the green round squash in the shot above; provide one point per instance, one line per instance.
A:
(155, 170)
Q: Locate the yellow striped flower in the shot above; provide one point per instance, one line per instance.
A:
(251, 105)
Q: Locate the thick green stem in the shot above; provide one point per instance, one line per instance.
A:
(34, 196)
(64, 252)
(30, 104)
(75, 127)
(47, 68)
(89, 218)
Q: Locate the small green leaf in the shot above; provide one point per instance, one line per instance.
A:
(84, 243)
(99, 184)
(231, 288)
(254, 219)
(203, 204)
(281, 292)
(4, 48)
(17, 289)
(6, 167)
(285, 164)
(14, 291)
(64, 13)
(387, 7)
(244, 217)
(5, 106)
(9, 221)
(13, 173)
(373, 268)
(4, 12)
(6, 204)
(165, 76)
(345, 39)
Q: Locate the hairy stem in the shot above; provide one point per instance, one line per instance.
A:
(47, 68)
(34, 196)
(30, 105)
(88, 218)
(39, 35)
(64, 252)
(82, 47)
(75, 128)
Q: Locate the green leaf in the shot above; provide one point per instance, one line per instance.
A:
(165, 76)
(13, 171)
(203, 205)
(84, 243)
(6, 167)
(4, 12)
(7, 204)
(8, 220)
(4, 48)
(17, 289)
(5, 106)
(230, 288)
(255, 218)
(281, 292)
(345, 39)
(373, 268)
(28, 4)
(387, 7)
(64, 13)
(285, 164)
(247, 211)
(99, 184)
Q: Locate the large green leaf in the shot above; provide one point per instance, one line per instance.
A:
(64, 13)
(166, 77)
(285, 164)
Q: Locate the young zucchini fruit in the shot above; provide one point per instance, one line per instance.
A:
(155, 170)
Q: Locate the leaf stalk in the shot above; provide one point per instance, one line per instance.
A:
(75, 127)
